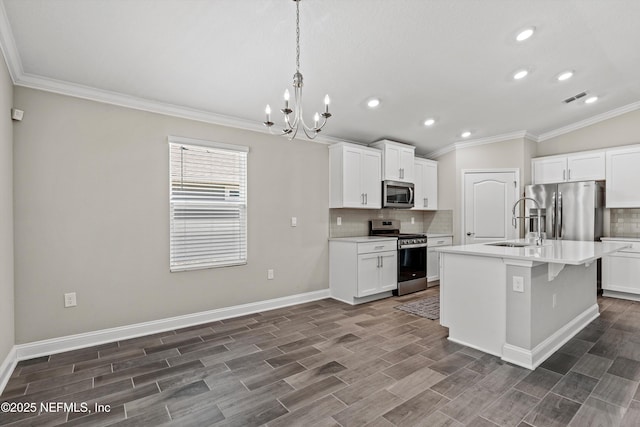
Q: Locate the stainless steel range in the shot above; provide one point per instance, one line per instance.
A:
(412, 255)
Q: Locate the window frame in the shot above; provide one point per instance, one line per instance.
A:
(199, 143)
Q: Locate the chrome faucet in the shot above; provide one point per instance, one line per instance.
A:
(514, 219)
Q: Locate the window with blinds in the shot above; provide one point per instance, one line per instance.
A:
(208, 205)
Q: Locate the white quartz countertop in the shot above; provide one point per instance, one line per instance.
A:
(553, 251)
(623, 239)
(363, 239)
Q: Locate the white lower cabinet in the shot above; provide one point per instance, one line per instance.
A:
(377, 272)
(361, 269)
(433, 257)
(620, 273)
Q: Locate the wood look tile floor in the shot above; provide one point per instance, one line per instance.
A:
(326, 363)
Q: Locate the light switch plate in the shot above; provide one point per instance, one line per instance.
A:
(294, 221)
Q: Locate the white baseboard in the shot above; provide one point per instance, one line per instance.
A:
(531, 359)
(7, 367)
(89, 339)
(473, 346)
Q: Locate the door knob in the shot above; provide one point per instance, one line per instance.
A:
(470, 234)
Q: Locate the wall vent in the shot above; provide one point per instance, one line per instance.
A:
(574, 97)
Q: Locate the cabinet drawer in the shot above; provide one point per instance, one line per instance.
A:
(365, 248)
(635, 247)
(439, 241)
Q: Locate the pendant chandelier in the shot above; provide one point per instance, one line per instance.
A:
(293, 124)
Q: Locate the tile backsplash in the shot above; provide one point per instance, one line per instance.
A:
(355, 222)
(625, 222)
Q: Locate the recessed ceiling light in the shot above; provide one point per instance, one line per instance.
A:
(373, 103)
(525, 34)
(520, 74)
(591, 100)
(429, 122)
(465, 134)
(565, 76)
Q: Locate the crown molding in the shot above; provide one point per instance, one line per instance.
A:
(122, 100)
(482, 141)
(590, 121)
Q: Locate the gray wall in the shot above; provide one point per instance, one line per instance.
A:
(515, 153)
(621, 130)
(6, 213)
(92, 216)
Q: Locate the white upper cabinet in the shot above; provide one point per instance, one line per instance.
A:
(550, 170)
(397, 160)
(426, 184)
(623, 177)
(585, 166)
(355, 177)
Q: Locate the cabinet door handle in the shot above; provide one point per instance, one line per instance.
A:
(366, 198)
(378, 266)
(564, 175)
(381, 262)
(426, 202)
(569, 175)
(362, 198)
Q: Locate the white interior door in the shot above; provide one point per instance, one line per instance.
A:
(487, 202)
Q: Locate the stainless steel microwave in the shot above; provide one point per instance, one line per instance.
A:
(397, 194)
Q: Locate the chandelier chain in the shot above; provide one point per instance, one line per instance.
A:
(297, 35)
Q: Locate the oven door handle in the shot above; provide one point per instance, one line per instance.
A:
(416, 245)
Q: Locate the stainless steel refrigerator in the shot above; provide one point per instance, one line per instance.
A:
(570, 210)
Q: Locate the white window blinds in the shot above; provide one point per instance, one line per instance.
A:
(208, 204)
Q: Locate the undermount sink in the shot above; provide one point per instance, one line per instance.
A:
(509, 244)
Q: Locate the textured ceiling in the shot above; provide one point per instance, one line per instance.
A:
(452, 60)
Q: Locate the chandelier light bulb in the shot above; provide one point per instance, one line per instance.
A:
(316, 119)
(268, 111)
(286, 94)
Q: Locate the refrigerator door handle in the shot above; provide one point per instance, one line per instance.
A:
(560, 215)
(553, 216)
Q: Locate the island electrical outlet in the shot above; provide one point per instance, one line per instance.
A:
(518, 284)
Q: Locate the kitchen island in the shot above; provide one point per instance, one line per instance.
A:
(522, 302)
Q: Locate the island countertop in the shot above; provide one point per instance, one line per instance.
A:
(552, 251)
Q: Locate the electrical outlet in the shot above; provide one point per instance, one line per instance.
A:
(70, 300)
(339, 221)
(270, 274)
(518, 284)
(294, 221)
(554, 301)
